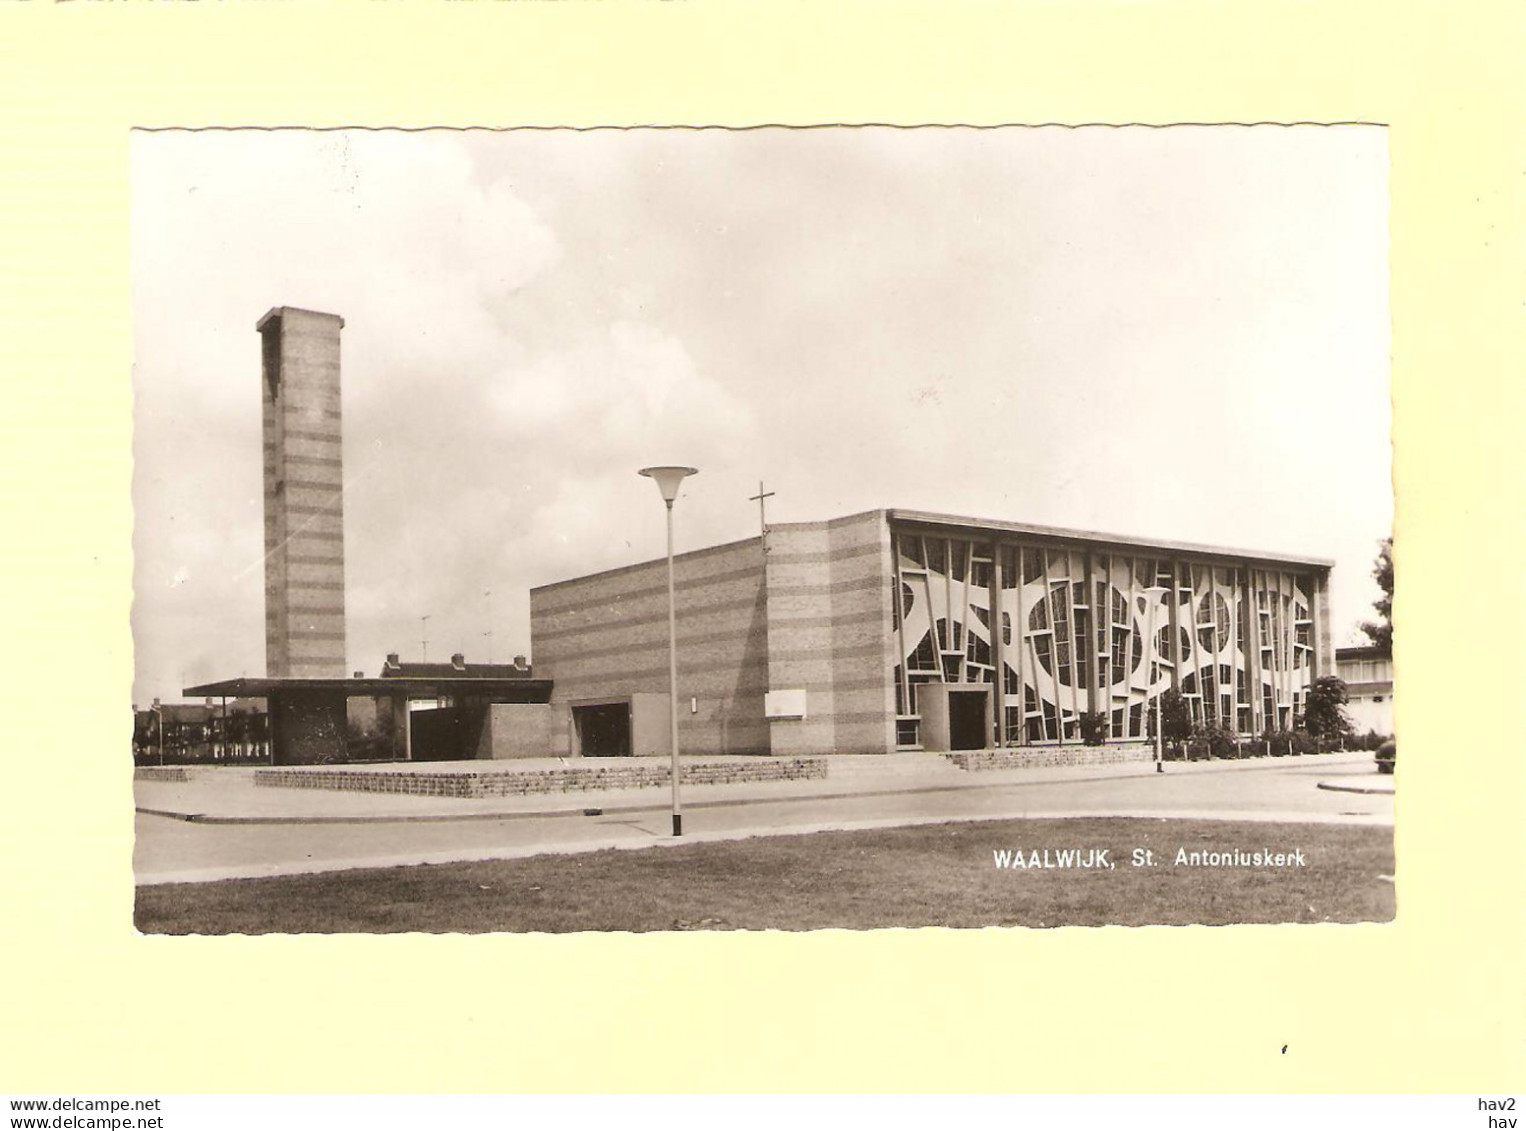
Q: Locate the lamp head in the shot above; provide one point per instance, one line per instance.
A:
(668, 479)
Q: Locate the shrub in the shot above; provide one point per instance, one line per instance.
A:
(1216, 741)
(1279, 743)
(1093, 728)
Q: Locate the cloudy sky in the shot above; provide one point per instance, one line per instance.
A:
(1175, 333)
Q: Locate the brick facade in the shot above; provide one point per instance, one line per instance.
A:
(515, 730)
(828, 634)
(604, 638)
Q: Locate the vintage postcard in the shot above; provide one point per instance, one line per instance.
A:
(1027, 491)
(705, 547)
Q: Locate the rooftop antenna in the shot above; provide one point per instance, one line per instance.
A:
(760, 498)
(424, 635)
(489, 633)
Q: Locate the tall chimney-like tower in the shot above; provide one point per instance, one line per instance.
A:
(304, 496)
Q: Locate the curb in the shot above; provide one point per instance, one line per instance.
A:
(1389, 792)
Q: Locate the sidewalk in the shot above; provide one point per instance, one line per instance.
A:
(218, 795)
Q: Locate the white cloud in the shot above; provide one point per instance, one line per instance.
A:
(630, 385)
(393, 233)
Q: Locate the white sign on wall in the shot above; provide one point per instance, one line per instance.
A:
(788, 704)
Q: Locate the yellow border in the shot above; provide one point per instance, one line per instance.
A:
(1433, 1002)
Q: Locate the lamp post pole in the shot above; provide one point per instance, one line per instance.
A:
(1154, 595)
(668, 480)
(1160, 727)
(678, 813)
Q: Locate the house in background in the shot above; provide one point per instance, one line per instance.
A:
(457, 668)
(1368, 671)
(234, 731)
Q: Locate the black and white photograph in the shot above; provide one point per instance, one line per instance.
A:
(699, 529)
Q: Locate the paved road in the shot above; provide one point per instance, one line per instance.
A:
(170, 850)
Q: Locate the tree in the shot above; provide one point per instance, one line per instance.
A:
(1322, 714)
(1381, 632)
(1176, 719)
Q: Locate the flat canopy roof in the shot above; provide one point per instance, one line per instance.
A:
(512, 689)
(1122, 541)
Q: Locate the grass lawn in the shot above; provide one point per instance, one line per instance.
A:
(934, 875)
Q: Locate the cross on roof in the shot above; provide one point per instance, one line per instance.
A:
(760, 498)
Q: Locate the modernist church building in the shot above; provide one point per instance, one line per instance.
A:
(896, 630)
(882, 631)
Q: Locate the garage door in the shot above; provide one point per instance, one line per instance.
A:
(603, 731)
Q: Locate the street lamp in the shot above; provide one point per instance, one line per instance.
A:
(1153, 595)
(668, 480)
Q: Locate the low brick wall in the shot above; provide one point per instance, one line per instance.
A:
(1025, 758)
(506, 783)
(161, 773)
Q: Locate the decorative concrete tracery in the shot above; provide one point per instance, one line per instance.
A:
(1059, 631)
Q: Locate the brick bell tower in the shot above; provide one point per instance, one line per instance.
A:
(304, 496)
